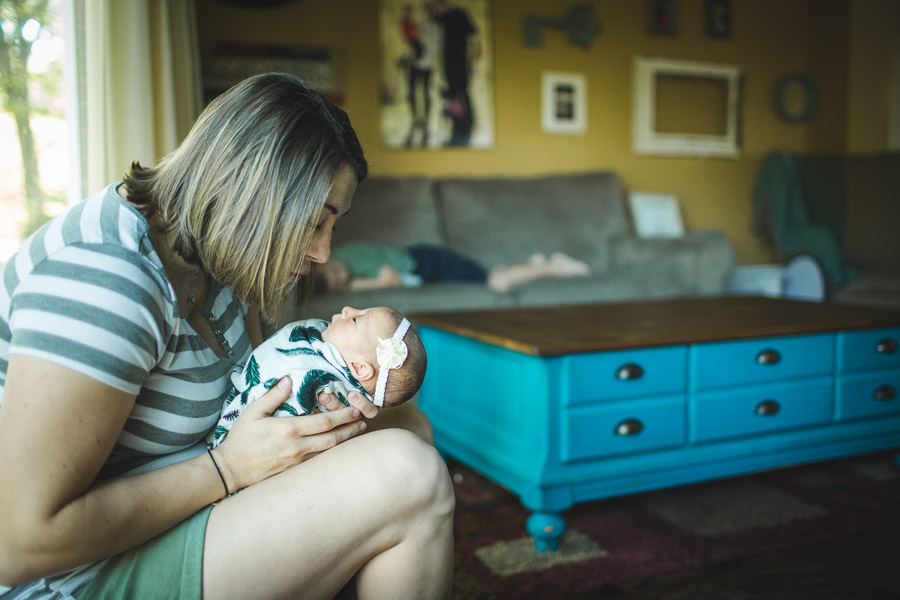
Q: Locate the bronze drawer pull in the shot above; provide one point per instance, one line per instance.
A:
(886, 346)
(629, 371)
(768, 357)
(767, 408)
(629, 427)
(885, 393)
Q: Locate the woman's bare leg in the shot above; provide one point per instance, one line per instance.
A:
(406, 416)
(378, 507)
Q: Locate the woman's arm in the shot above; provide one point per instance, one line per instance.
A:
(58, 426)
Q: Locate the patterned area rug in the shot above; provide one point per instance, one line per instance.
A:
(618, 543)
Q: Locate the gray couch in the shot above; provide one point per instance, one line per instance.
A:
(499, 220)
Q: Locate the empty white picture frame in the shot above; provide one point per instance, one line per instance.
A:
(563, 103)
(655, 215)
(685, 108)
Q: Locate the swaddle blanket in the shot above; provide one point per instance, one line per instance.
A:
(297, 350)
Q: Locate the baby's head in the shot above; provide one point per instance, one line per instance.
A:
(357, 335)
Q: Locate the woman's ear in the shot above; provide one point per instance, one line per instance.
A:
(362, 370)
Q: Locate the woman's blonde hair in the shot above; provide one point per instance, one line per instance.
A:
(244, 190)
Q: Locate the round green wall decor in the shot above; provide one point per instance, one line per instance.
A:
(795, 97)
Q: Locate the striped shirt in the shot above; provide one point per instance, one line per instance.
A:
(88, 291)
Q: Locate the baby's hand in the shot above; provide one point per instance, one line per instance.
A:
(332, 402)
(260, 445)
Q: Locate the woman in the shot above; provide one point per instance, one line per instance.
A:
(119, 325)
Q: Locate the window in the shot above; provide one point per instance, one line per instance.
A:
(35, 164)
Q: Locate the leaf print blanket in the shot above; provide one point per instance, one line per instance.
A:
(297, 350)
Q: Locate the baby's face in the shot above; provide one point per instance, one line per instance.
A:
(355, 332)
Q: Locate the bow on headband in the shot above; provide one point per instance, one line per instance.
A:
(390, 353)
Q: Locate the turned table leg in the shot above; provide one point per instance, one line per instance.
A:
(546, 528)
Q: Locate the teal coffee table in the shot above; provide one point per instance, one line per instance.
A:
(576, 403)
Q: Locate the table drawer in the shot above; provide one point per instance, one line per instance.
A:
(602, 430)
(726, 364)
(863, 350)
(737, 413)
(625, 374)
(870, 395)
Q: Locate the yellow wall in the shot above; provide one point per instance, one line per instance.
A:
(874, 31)
(769, 38)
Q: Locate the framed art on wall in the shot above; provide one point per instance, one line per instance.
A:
(795, 97)
(563, 103)
(686, 108)
(229, 63)
(436, 74)
(718, 19)
(662, 17)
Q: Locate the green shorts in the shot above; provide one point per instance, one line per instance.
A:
(168, 566)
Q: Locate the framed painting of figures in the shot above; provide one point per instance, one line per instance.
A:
(436, 74)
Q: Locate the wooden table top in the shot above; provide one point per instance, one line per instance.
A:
(556, 330)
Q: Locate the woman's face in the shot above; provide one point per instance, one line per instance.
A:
(336, 206)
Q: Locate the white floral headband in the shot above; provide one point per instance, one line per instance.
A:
(390, 353)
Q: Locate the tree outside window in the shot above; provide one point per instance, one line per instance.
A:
(33, 136)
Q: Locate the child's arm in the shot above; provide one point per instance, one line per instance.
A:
(388, 277)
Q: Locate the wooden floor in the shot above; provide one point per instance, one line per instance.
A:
(861, 568)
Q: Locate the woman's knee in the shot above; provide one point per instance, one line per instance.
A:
(406, 416)
(416, 472)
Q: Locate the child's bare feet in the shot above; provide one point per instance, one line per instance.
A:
(503, 278)
(566, 266)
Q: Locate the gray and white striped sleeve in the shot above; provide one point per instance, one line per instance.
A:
(96, 308)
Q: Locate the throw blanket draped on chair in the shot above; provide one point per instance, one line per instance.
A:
(794, 223)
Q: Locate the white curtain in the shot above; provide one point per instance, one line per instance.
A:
(141, 83)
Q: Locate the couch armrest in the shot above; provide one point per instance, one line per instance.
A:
(703, 258)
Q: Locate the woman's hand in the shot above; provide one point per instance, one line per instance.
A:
(260, 445)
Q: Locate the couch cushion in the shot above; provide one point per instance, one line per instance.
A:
(506, 220)
(396, 211)
(613, 286)
(702, 259)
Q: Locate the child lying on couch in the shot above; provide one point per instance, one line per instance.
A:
(362, 265)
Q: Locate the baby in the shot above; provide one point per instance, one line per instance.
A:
(357, 351)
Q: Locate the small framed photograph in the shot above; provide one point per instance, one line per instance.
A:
(655, 215)
(662, 17)
(564, 103)
(718, 19)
